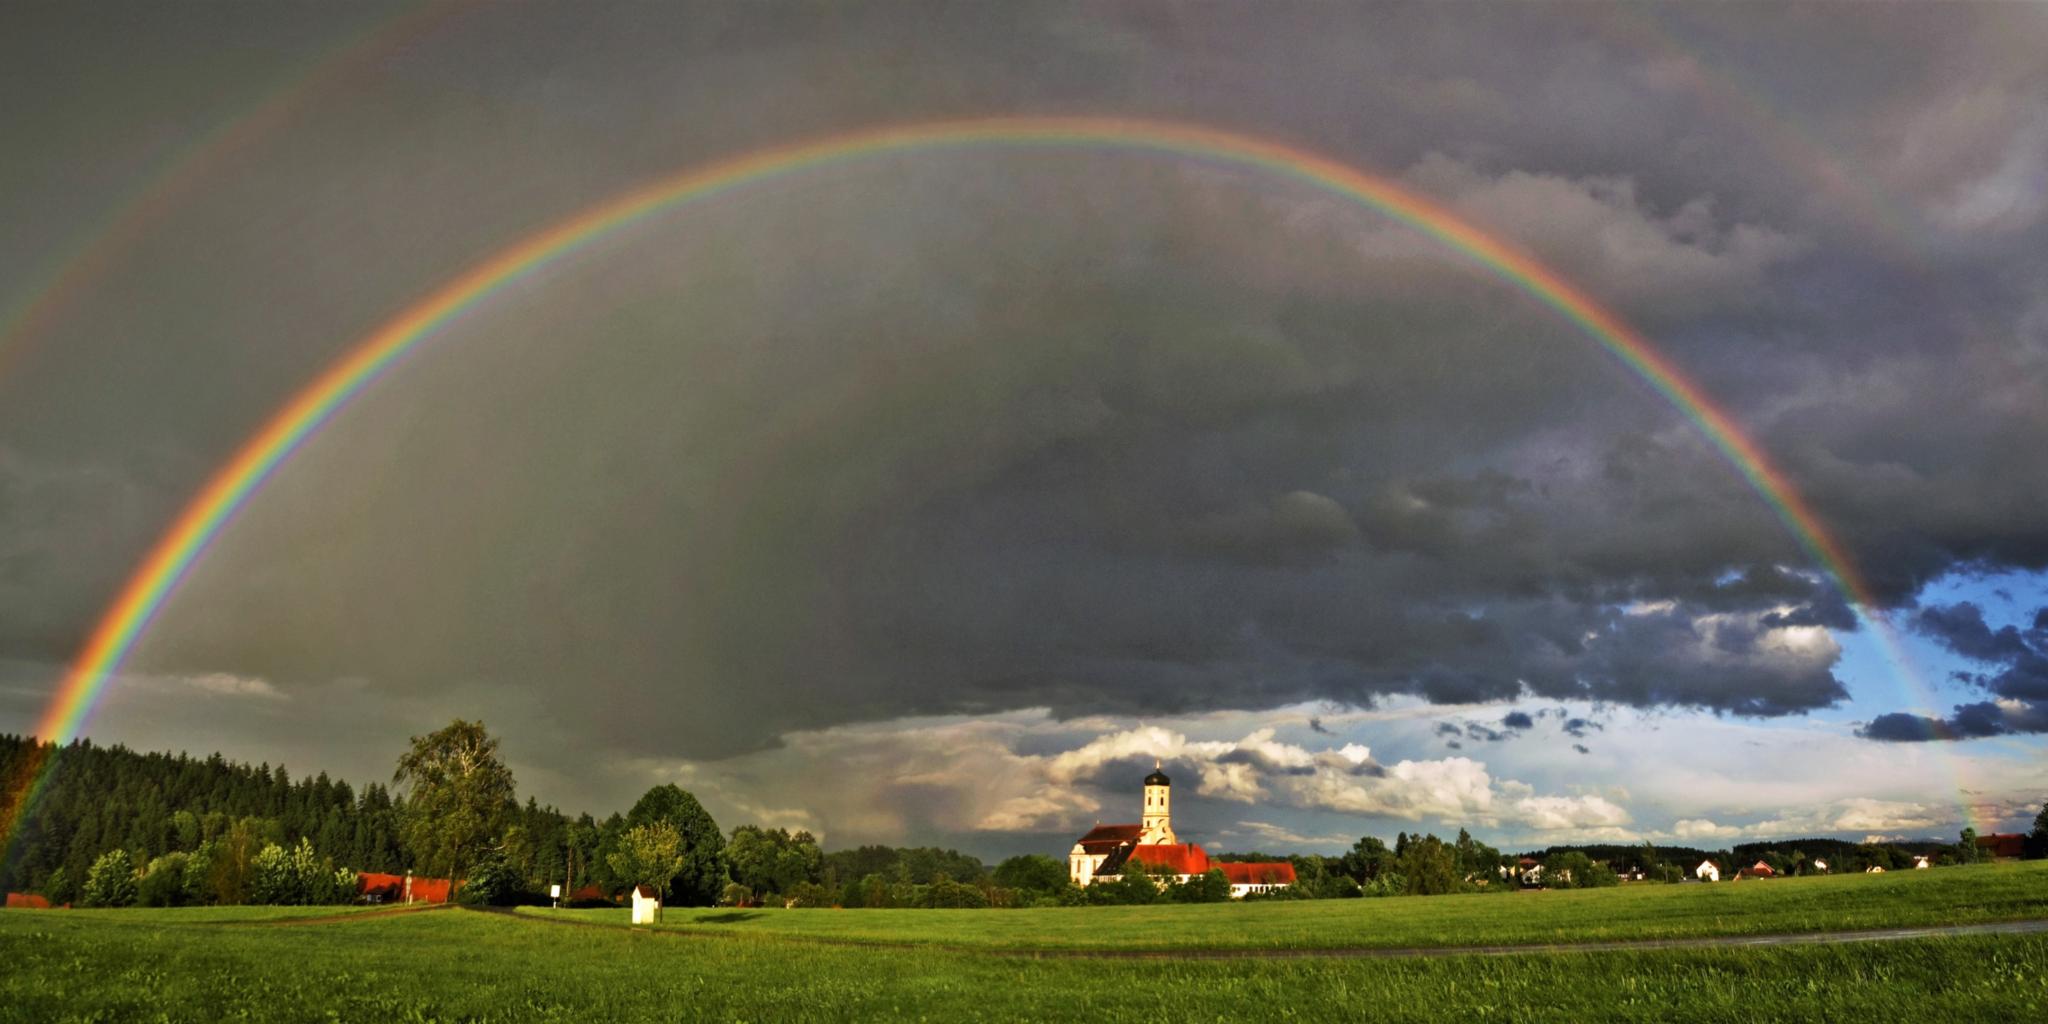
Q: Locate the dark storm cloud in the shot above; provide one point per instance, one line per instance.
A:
(1518, 720)
(1091, 432)
(2019, 678)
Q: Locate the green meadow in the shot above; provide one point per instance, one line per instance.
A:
(1971, 895)
(300, 964)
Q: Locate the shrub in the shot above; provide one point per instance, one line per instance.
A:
(271, 880)
(1386, 883)
(807, 894)
(944, 893)
(198, 881)
(494, 882)
(1133, 887)
(111, 882)
(297, 877)
(59, 889)
(736, 895)
(163, 885)
(1213, 887)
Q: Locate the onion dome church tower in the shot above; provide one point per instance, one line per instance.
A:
(1158, 821)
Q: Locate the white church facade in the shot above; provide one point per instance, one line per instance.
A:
(1102, 853)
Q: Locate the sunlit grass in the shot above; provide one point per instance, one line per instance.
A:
(2002, 892)
(459, 965)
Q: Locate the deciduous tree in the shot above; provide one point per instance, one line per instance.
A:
(650, 855)
(458, 797)
(701, 879)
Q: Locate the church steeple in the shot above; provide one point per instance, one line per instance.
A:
(1158, 820)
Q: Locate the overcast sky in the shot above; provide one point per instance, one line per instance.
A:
(929, 498)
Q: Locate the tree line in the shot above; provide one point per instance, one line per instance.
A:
(112, 827)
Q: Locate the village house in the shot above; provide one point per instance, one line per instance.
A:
(1102, 854)
(1708, 871)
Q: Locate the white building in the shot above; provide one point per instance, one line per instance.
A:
(646, 904)
(1103, 852)
(1708, 871)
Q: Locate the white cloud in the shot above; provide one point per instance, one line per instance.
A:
(1701, 828)
(226, 684)
(1246, 778)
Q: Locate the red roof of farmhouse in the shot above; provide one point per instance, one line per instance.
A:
(424, 890)
(1104, 838)
(1179, 858)
(1260, 873)
(26, 901)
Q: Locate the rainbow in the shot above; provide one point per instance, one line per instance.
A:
(231, 487)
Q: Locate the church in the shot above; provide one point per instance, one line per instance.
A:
(1102, 853)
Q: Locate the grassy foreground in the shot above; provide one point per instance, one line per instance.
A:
(466, 966)
(1971, 895)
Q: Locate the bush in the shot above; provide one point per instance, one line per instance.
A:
(198, 881)
(946, 894)
(163, 885)
(111, 882)
(297, 877)
(736, 895)
(1132, 888)
(1213, 887)
(807, 894)
(495, 882)
(59, 889)
(1386, 883)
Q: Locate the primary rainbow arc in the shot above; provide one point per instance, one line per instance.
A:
(317, 403)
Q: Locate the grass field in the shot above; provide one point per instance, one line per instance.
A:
(231, 964)
(2001, 892)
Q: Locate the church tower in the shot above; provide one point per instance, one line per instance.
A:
(1158, 826)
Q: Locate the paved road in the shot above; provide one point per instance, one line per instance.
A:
(1373, 952)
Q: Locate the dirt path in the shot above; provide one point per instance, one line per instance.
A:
(1362, 952)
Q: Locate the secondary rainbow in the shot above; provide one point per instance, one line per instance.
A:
(69, 276)
(315, 405)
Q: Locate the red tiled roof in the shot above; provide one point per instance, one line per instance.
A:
(1104, 838)
(646, 892)
(1761, 868)
(590, 892)
(1266, 873)
(424, 890)
(1178, 858)
(26, 901)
